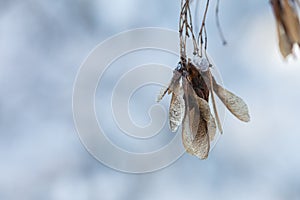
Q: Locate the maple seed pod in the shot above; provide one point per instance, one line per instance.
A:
(288, 25)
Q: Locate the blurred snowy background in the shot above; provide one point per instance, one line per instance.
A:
(43, 43)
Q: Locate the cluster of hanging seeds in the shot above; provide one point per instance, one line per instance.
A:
(192, 88)
(288, 25)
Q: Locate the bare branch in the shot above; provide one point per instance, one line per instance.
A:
(203, 20)
(219, 25)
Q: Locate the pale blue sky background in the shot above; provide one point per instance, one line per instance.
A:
(43, 43)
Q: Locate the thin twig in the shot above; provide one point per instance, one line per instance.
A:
(201, 45)
(192, 31)
(186, 28)
(204, 19)
(219, 25)
(205, 44)
(205, 39)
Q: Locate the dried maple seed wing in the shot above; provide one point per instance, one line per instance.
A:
(162, 93)
(187, 134)
(203, 108)
(208, 117)
(233, 103)
(197, 82)
(193, 108)
(201, 143)
(195, 132)
(291, 21)
(207, 77)
(212, 128)
(177, 109)
(285, 44)
(174, 82)
(206, 130)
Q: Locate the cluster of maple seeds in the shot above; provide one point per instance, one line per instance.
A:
(192, 88)
(288, 25)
